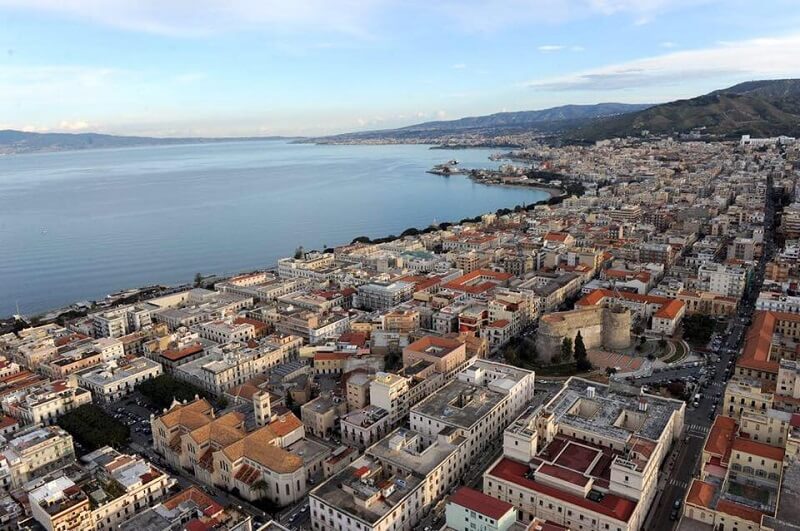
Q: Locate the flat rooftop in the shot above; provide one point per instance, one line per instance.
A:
(459, 404)
(594, 407)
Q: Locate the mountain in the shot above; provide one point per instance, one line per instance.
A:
(758, 108)
(12, 141)
(545, 120)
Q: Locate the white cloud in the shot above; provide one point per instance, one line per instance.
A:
(750, 59)
(496, 15)
(193, 18)
(201, 17)
(441, 114)
(550, 48)
(459, 66)
(668, 44)
(77, 125)
(577, 48)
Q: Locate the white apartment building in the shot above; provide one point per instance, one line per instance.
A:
(364, 427)
(33, 452)
(44, 403)
(233, 364)
(389, 392)
(729, 281)
(121, 321)
(479, 403)
(115, 379)
(315, 266)
(226, 331)
(118, 485)
(382, 296)
(391, 486)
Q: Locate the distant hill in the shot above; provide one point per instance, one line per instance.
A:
(759, 108)
(12, 141)
(546, 120)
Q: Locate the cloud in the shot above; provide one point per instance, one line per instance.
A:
(498, 15)
(550, 48)
(668, 44)
(193, 18)
(197, 18)
(750, 59)
(441, 114)
(77, 125)
(459, 66)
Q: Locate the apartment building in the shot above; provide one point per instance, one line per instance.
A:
(321, 415)
(479, 403)
(729, 281)
(113, 488)
(471, 509)
(382, 296)
(314, 266)
(587, 459)
(226, 366)
(33, 452)
(446, 354)
(115, 379)
(226, 331)
(121, 321)
(44, 403)
(391, 486)
(390, 392)
(364, 427)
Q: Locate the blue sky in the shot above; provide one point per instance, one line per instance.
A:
(257, 67)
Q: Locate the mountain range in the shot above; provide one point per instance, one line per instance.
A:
(758, 108)
(554, 119)
(12, 141)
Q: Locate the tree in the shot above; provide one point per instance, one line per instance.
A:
(581, 358)
(662, 343)
(642, 340)
(566, 349)
(163, 389)
(610, 371)
(198, 279)
(93, 427)
(409, 232)
(299, 252)
(361, 239)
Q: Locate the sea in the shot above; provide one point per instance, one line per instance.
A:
(78, 225)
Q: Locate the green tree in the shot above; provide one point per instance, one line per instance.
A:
(198, 279)
(566, 349)
(299, 252)
(581, 357)
(93, 427)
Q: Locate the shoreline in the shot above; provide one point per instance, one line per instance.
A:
(78, 307)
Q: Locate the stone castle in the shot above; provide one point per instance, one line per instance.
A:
(608, 328)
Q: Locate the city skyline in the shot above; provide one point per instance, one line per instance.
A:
(311, 67)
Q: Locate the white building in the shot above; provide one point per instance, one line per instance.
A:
(115, 379)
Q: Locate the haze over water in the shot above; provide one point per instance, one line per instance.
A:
(79, 225)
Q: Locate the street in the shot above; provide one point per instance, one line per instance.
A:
(680, 466)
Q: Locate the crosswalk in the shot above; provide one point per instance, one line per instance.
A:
(697, 429)
(676, 483)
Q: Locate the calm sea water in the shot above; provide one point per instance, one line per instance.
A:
(79, 225)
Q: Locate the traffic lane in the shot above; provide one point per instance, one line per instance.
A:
(679, 474)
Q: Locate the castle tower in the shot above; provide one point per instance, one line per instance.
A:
(616, 328)
(262, 408)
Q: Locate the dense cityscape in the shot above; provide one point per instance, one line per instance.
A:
(623, 356)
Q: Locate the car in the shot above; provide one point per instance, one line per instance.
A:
(673, 515)
(677, 503)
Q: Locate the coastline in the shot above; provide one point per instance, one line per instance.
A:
(88, 305)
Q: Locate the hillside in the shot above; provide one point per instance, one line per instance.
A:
(544, 120)
(12, 141)
(759, 108)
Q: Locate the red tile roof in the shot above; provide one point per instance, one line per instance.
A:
(610, 505)
(739, 511)
(720, 438)
(670, 310)
(755, 354)
(701, 493)
(480, 503)
(766, 451)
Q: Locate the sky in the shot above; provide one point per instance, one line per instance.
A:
(313, 67)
